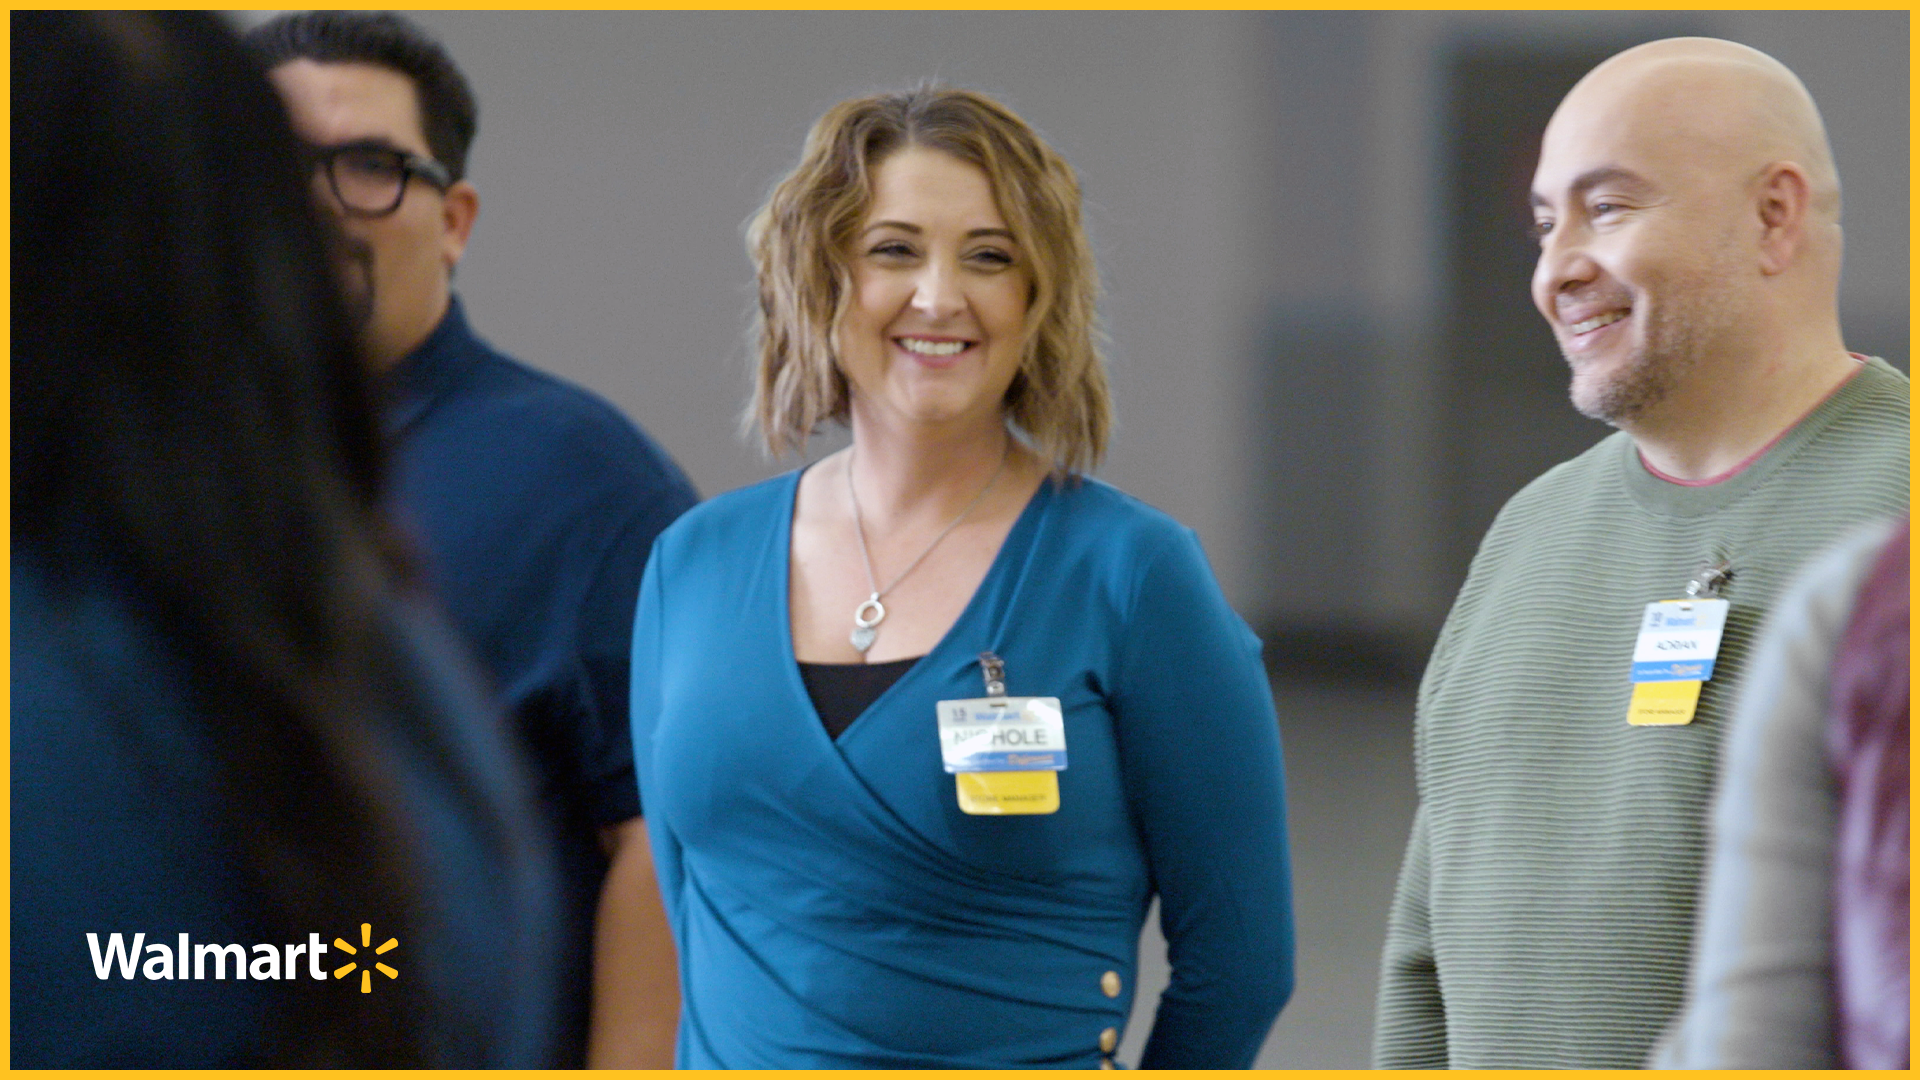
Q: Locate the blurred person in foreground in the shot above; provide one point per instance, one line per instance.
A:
(923, 727)
(1800, 961)
(1688, 214)
(536, 501)
(242, 745)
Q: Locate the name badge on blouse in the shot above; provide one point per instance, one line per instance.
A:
(1678, 643)
(1004, 752)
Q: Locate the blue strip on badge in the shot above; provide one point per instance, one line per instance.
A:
(1009, 760)
(1672, 671)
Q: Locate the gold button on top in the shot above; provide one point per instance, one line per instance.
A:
(1109, 1039)
(1110, 984)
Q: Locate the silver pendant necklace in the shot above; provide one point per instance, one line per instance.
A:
(868, 616)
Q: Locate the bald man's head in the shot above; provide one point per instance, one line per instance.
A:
(1685, 199)
(1719, 97)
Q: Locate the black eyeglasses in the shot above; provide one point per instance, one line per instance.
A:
(370, 178)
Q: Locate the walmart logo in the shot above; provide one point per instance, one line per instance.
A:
(366, 941)
(188, 959)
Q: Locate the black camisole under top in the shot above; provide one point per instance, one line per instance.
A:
(841, 692)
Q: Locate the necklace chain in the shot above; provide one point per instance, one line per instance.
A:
(863, 624)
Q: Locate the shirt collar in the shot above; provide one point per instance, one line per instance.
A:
(424, 374)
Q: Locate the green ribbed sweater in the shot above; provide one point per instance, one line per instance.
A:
(1546, 905)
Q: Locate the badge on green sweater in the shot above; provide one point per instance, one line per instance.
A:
(1679, 640)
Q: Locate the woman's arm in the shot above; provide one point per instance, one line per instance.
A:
(636, 986)
(1200, 759)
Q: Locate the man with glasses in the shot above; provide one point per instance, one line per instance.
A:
(535, 502)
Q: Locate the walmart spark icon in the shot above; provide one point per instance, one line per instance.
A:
(366, 974)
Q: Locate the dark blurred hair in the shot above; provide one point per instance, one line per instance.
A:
(449, 116)
(192, 422)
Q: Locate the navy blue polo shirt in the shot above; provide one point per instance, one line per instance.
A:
(536, 503)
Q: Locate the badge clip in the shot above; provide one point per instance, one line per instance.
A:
(993, 671)
(1710, 579)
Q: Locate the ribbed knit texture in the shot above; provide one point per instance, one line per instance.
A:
(1546, 905)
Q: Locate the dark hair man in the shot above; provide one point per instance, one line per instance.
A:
(1688, 214)
(536, 501)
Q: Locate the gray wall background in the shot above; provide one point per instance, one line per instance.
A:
(1265, 195)
(1269, 203)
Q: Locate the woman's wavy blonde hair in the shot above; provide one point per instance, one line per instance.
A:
(799, 242)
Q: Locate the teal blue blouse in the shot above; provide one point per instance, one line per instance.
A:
(832, 905)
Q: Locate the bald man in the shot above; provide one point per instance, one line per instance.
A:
(1688, 213)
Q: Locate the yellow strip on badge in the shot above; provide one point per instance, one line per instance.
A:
(1662, 703)
(1008, 792)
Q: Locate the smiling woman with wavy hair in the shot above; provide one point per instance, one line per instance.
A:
(798, 240)
(858, 872)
